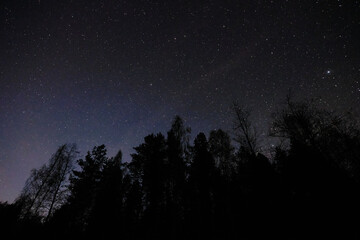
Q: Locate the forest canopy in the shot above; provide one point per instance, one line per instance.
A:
(220, 186)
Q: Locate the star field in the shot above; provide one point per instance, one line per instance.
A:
(111, 72)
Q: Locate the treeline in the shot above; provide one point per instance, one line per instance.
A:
(218, 187)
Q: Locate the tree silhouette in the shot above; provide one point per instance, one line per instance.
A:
(223, 153)
(172, 189)
(83, 187)
(45, 190)
(107, 213)
(316, 169)
(201, 181)
(225, 188)
(150, 168)
(177, 158)
(245, 133)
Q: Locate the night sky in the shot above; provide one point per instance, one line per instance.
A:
(94, 72)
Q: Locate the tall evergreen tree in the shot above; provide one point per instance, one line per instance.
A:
(150, 166)
(108, 210)
(83, 187)
(177, 158)
(201, 182)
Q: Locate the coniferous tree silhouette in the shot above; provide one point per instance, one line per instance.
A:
(84, 184)
(149, 166)
(177, 153)
(201, 181)
(106, 218)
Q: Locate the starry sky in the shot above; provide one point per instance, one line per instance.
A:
(93, 72)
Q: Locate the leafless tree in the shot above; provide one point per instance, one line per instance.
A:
(45, 190)
(245, 133)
